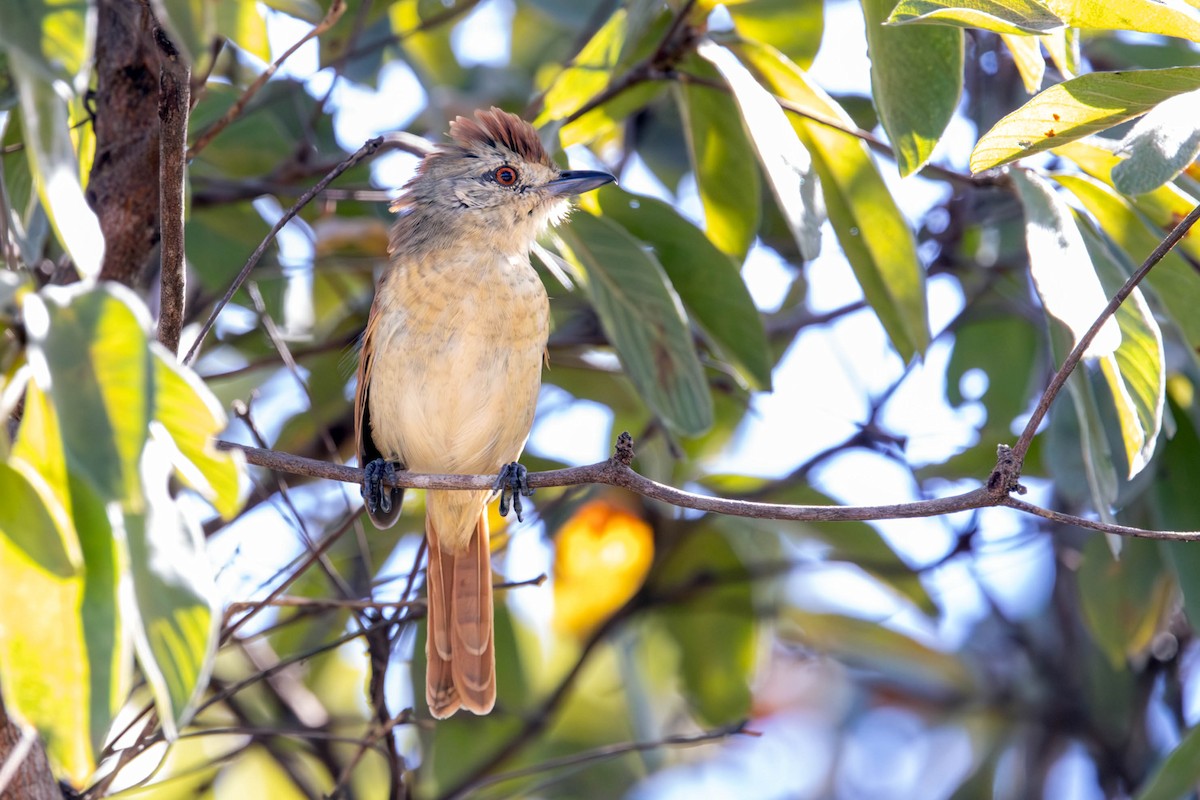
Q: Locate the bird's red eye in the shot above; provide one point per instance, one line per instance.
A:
(505, 176)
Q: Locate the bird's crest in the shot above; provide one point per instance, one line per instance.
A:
(498, 128)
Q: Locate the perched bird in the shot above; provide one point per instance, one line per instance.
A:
(450, 367)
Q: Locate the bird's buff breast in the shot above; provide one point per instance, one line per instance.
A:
(460, 348)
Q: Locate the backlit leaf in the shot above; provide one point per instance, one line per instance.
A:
(916, 80)
(873, 233)
(723, 160)
(1027, 57)
(785, 162)
(1144, 16)
(1077, 108)
(1059, 262)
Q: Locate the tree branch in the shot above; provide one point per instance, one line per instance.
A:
(174, 103)
(617, 472)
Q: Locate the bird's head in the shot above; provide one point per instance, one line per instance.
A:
(493, 179)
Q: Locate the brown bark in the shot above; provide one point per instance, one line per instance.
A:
(123, 188)
(33, 779)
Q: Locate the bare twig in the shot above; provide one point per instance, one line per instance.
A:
(363, 152)
(336, 9)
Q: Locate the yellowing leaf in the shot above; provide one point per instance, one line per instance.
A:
(602, 555)
(1000, 16)
(1027, 56)
(1144, 16)
(1077, 108)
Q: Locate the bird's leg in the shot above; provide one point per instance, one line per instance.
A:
(512, 483)
(376, 475)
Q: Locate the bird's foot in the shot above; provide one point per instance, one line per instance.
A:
(513, 483)
(375, 492)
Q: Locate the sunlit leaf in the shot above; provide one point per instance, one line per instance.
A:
(785, 162)
(45, 120)
(873, 233)
(706, 279)
(173, 598)
(1144, 16)
(43, 649)
(1160, 146)
(916, 80)
(588, 73)
(1175, 284)
(1077, 108)
(643, 318)
(89, 352)
(1060, 265)
(716, 679)
(1136, 372)
(724, 163)
(790, 26)
(1027, 57)
(1063, 48)
(191, 416)
(999, 16)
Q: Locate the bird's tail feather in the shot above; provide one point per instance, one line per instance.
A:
(460, 651)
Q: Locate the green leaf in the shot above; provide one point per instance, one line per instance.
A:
(916, 80)
(195, 24)
(1170, 501)
(191, 416)
(1177, 775)
(723, 160)
(43, 647)
(1136, 373)
(55, 167)
(307, 10)
(1077, 108)
(1000, 16)
(716, 679)
(89, 352)
(643, 318)
(785, 162)
(873, 233)
(707, 280)
(1123, 600)
(1144, 16)
(791, 27)
(48, 36)
(172, 609)
(1060, 264)
(1160, 146)
(589, 72)
(1174, 283)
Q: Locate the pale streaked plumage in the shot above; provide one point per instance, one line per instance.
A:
(451, 365)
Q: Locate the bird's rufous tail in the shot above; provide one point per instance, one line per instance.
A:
(460, 651)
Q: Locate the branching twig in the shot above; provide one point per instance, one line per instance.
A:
(336, 9)
(363, 152)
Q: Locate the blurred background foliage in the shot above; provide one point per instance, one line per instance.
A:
(986, 654)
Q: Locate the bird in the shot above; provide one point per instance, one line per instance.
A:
(449, 369)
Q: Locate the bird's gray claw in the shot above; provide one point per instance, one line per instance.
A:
(375, 492)
(513, 483)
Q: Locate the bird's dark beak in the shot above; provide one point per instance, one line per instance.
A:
(578, 181)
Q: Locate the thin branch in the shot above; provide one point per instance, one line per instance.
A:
(614, 750)
(174, 103)
(1060, 378)
(366, 150)
(336, 9)
(1106, 527)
